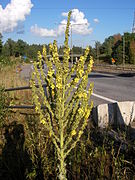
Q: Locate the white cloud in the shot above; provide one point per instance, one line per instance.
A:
(64, 14)
(43, 32)
(96, 20)
(14, 12)
(79, 24)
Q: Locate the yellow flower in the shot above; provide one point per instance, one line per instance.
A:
(59, 78)
(73, 132)
(81, 59)
(82, 95)
(84, 77)
(76, 80)
(60, 99)
(44, 50)
(52, 86)
(80, 133)
(50, 134)
(52, 93)
(50, 73)
(87, 49)
(90, 65)
(80, 111)
(85, 95)
(39, 55)
(72, 69)
(81, 72)
(59, 85)
(50, 47)
(87, 114)
(42, 121)
(36, 108)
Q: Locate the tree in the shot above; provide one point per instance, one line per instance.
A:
(132, 52)
(117, 53)
(77, 50)
(117, 37)
(31, 50)
(9, 47)
(125, 46)
(107, 45)
(20, 48)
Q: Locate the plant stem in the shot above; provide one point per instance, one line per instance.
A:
(62, 160)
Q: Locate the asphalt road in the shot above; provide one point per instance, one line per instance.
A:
(108, 87)
(116, 87)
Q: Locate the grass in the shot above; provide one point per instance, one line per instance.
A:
(28, 148)
(10, 77)
(27, 152)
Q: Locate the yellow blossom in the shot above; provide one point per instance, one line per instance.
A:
(44, 50)
(72, 69)
(84, 77)
(90, 65)
(52, 93)
(50, 73)
(50, 47)
(81, 59)
(80, 133)
(52, 86)
(73, 132)
(82, 95)
(36, 108)
(87, 114)
(81, 72)
(42, 121)
(85, 95)
(39, 55)
(60, 99)
(76, 80)
(80, 111)
(50, 134)
(59, 85)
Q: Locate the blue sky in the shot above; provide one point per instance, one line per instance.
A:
(39, 21)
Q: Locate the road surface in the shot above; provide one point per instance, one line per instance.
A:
(108, 87)
(115, 87)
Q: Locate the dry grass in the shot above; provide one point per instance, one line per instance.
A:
(10, 77)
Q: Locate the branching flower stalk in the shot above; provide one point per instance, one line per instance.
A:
(63, 105)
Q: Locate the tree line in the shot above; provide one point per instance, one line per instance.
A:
(119, 47)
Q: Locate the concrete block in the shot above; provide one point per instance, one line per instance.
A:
(125, 112)
(120, 113)
(104, 115)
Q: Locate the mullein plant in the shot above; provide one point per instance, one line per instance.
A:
(63, 105)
